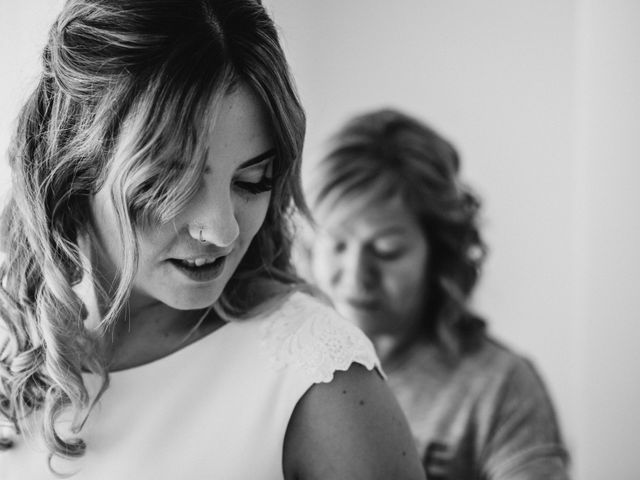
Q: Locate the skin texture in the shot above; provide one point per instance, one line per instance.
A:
(230, 216)
(350, 429)
(372, 260)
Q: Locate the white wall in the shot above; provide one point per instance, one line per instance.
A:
(541, 97)
(608, 238)
(23, 31)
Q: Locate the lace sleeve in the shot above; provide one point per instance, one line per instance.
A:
(310, 335)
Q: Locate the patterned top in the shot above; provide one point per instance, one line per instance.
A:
(218, 408)
(487, 417)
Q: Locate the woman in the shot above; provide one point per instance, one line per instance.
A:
(152, 326)
(398, 251)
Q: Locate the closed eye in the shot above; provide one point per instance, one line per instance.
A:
(388, 254)
(389, 246)
(258, 177)
(265, 184)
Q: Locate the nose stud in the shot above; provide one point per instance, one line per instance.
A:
(219, 239)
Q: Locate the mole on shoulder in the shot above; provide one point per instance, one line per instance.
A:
(344, 391)
(361, 402)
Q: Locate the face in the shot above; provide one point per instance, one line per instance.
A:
(372, 262)
(186, 263)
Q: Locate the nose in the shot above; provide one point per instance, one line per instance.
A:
(213, 218)
(356, 274)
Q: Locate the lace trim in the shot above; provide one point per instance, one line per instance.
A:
(311, 336)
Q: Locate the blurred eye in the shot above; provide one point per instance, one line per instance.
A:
(388, 249)
(339, 246)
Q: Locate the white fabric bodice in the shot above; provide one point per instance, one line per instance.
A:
(216, 409)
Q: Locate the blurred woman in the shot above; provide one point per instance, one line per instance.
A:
(398, 251)
(151, 325)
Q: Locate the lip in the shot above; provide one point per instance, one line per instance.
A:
(202, 274)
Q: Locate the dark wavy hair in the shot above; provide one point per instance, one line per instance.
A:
(128, 87)
(385, 153)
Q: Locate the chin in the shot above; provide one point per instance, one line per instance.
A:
(194, 300)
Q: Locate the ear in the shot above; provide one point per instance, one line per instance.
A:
(86, 289)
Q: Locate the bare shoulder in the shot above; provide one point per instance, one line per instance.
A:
(350, 428)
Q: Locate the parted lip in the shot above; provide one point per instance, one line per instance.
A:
(202, 258)
(199, 261)
(205, 272)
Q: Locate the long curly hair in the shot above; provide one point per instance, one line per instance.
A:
(128, 88)
(385, 153)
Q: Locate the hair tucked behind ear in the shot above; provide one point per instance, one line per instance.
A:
(128, 87)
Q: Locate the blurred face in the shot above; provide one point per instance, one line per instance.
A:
(372, 262)
(186, 263)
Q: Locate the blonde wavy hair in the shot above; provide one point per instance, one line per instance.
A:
(132, 84)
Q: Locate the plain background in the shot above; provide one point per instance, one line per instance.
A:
(542, 98)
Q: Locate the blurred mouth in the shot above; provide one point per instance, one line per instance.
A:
(199, 269)
(366, 304)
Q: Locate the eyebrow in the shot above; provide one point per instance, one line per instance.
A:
(258, 159)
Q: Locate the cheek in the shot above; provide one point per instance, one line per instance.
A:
(323, 265)
(407, 278)
(321, 272)
(153, 243)
(250, 215)
(107, 241)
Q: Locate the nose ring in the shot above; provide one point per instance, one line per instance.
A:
(200, 237)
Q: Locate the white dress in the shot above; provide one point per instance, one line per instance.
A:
(216, 409)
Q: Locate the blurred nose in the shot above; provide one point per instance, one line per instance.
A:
(356, 273)
(213, 218)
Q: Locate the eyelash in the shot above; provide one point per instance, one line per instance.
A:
(264, 185)
(339, 247)
(393, 255)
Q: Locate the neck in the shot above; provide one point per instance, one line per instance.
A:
(385, 346)
(154, 331)
(391, 348)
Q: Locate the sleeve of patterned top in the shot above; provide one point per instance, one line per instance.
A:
(524, 441)
(310, 336)
(348, 424)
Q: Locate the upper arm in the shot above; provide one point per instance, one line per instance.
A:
(350, 428)
(525, 441)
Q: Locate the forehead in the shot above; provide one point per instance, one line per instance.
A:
(363, 218)
(240, 129)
